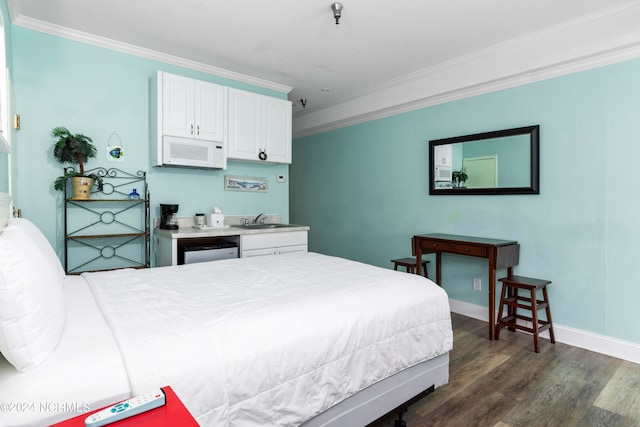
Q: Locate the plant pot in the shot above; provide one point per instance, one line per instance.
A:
(81, 187)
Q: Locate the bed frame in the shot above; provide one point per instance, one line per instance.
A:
(391, 395)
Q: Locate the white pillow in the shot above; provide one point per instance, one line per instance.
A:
(41, 242)
(32, 311)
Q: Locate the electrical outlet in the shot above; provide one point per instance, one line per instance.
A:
(477, 284)
(281, 178)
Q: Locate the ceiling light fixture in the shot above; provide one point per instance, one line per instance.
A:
(337, 11)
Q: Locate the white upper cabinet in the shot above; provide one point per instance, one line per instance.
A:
(278, 129)
(192, 108)
(210, 111)
(248, 126)
(259, 128)
(245, 125)
(443, 155)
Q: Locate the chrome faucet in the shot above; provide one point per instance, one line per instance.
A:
(259, 217)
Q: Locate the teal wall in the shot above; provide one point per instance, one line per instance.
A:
(363, 191)
(96, 91)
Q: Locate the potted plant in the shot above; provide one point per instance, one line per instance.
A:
(75, 149)
(459, 177)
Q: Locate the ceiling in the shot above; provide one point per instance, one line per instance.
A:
(297, 44)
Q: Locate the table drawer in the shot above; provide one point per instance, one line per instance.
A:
(454, 248)
(432, 246)
(461, 248)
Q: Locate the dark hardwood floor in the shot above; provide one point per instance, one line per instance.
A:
(506, 384)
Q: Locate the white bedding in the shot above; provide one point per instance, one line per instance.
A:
(85, 372)
(275, 353)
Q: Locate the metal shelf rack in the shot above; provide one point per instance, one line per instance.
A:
(109, 230)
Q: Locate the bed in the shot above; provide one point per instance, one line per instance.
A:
(297, 339)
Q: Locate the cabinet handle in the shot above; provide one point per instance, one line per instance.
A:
(262, 155)
(198, 130)
(191, 129)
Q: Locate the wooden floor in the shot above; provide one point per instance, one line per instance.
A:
(505, 383)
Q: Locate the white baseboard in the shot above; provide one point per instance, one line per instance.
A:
(578, 338)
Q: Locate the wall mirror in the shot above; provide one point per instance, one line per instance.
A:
(498, 162)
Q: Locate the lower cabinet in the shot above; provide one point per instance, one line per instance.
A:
(273, 243)
(167, 243)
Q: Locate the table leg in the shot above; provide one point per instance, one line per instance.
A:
(511, 292)
(492, 302)
(438, 269)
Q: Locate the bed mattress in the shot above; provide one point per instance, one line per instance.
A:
(267, 341)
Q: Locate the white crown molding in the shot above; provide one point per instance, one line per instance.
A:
(575, 337)
(67, 33)
(596, 40)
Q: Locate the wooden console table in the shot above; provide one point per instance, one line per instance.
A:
(500, 253)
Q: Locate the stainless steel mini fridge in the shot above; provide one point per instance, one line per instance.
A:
(189, 254)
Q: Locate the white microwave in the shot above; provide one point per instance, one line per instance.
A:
(443, 173)
(198, 153)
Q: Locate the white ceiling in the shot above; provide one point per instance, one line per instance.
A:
(296, 43)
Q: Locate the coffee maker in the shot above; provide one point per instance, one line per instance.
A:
(168, 220)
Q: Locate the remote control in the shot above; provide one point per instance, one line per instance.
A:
(128, 408)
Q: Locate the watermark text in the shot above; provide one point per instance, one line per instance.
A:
(54, 407)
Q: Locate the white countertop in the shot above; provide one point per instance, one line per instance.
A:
(190, 232)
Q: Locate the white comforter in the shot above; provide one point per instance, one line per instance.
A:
(270, 340)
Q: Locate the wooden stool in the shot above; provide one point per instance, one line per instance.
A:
(410, 264)
(510, 297)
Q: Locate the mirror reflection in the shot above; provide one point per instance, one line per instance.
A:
(499, 162)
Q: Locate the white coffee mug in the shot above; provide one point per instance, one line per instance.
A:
(199, 220)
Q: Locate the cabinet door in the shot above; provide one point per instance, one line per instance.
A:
(273, 240)
(258, 252)
(290, 249)
(209, 111)
(443, 155)
(178, 106)
(277, 130)
(245, 125)
(166, 251)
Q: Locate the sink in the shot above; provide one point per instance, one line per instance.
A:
(263, 226)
